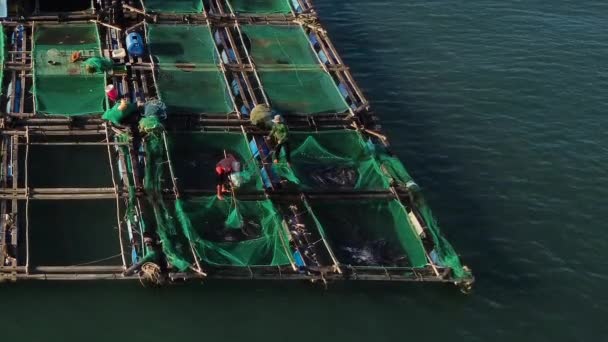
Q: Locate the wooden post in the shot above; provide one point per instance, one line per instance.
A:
(224, 71)
(27, 202)
(118, 218)
(106, 25)
(175, 189)
(286, 246)
(325, 242)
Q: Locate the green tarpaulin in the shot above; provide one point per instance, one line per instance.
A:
(261, 6)
(60, 86)
(303, 91)
(174, 6)
(279, 45)
(189, 79)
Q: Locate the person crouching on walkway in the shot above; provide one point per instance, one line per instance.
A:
(280, 135)
(223, 169)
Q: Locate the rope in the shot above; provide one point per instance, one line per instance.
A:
(151, 272)
(117, 196)
(96, 261)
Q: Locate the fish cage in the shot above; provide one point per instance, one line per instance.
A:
(86, 195)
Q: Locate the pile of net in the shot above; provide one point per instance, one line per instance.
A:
(155, 108)
(149, 124)
(98, 65)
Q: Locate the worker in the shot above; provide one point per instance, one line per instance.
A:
(98, 65)
(223, 169)
(120, 112)
(280, 135)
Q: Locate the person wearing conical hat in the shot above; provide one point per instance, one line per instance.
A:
(280, 135)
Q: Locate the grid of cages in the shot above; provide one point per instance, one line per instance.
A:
(63, 204)
(314, 92)
(211, 62)
(62, 207)
(290, 67)
(258, 231)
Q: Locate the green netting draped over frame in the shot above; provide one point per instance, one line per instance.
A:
(260, 6)
(284, 45)
(315, 153)
(393, 167)
(254, 230)
(195, 155)
(174, 243)
(124, 138)
(444, 251)
(369, 232)
(149, 124)
(174, 6)
(189, 79)
(305, 91)
(62, 87)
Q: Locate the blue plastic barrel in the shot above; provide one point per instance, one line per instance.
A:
(245, 111)
(296, 6)
(135, 45)
(298, 259)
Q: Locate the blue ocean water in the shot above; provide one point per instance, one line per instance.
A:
(497, 109)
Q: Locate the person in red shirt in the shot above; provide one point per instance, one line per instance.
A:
(223, 169)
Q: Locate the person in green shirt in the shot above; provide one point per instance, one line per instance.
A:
(120, 112)
(280, 134)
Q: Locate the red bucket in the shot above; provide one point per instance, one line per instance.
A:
(112, 92)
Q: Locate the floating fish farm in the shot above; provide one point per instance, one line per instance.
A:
(83, 198)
